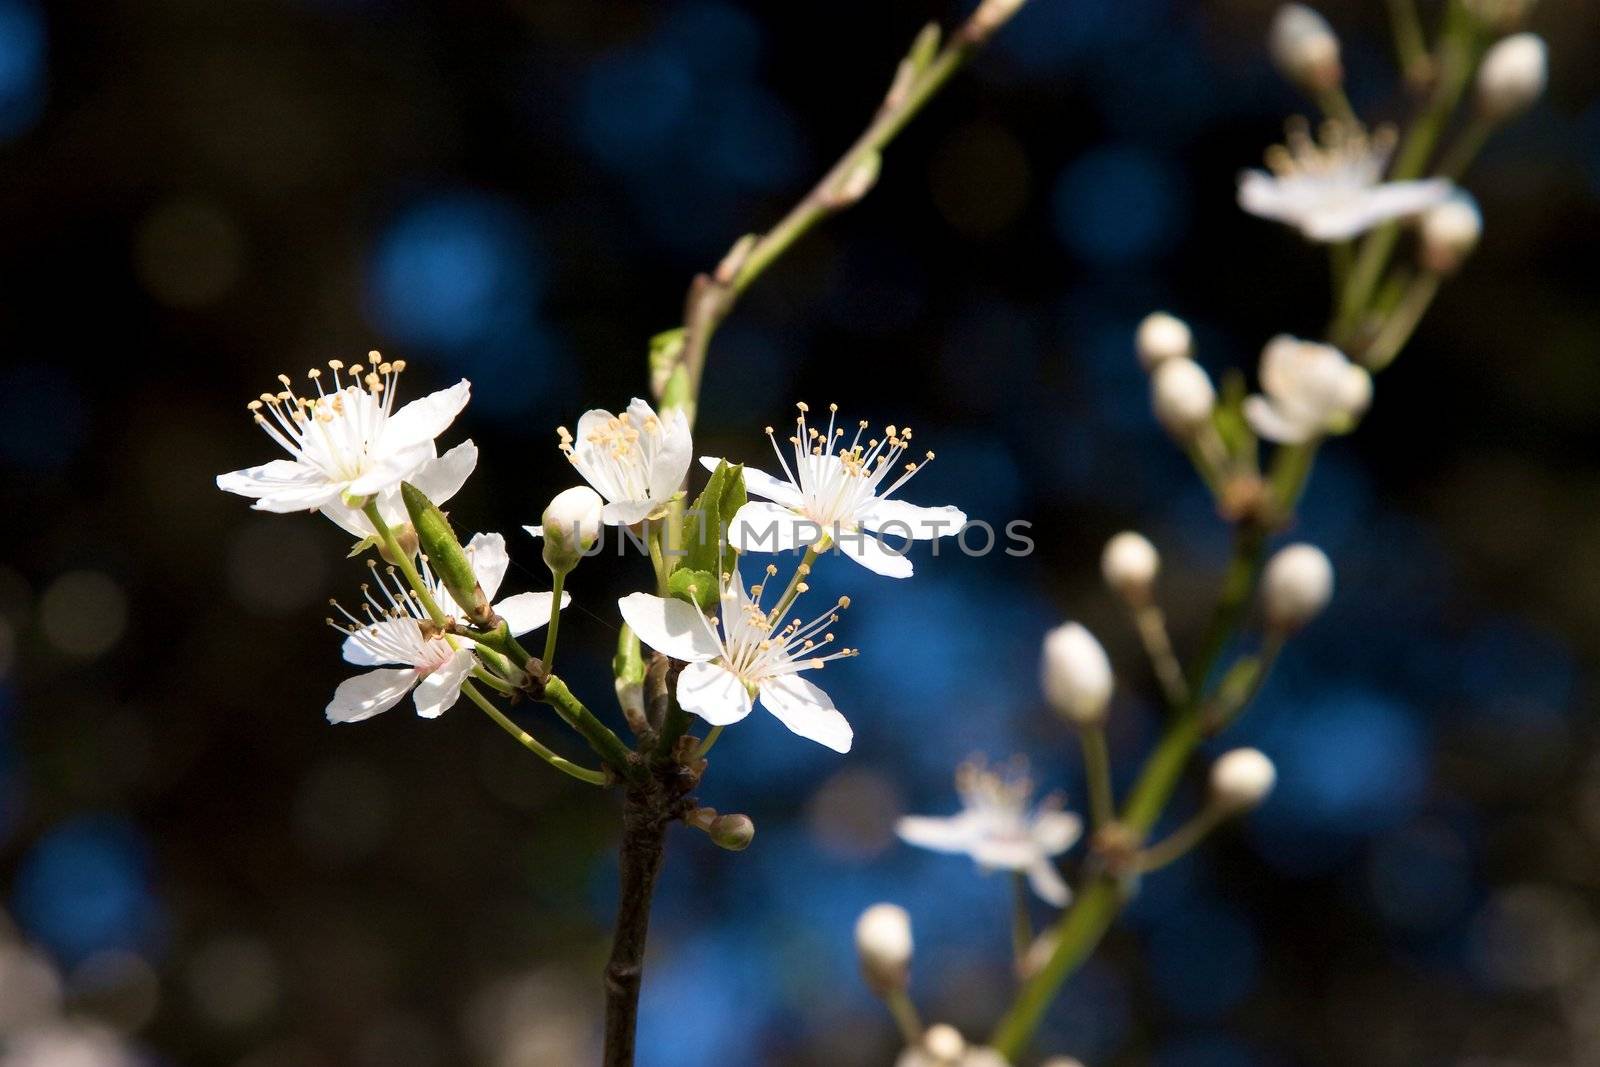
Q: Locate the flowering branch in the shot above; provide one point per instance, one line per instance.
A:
(920, 76)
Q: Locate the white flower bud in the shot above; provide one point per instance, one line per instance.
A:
(1076, 674)
(1450, 232)
(1183, 397)
(1129, 565)
(883, 943)
(1512, 76)
(1162, 337)
(1304, 48)
(1061, 1061)
(944, 1042)
(1296, 585)
(1242, 778)
(571, 527)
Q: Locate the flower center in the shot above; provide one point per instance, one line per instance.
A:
(838, 481)
(335, 430)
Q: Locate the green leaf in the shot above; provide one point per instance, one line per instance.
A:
(707, 520)
(697, 587)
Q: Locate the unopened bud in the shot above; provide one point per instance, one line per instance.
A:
(1129, 565)
(1076, 674)
(1061, 1061)
(883, 943)
(944, 1042)
(1162, 337)
(1296, 585)
(1512, 76)
(445, 554)
(1450, 232)
(1305, 49)
(1183, 397)
(732, 832)
(1241, 779)
(571, 526)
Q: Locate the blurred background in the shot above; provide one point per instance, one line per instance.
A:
(197, 869)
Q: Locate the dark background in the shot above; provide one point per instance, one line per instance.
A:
(195, 196)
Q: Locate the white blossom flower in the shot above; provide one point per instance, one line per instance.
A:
(636, 460)
(1334, 191)
(943, 1046)
(753, 655)
(396, 630)
(347, 442)
(439, 478)
(999, 831)
(836, 492)
(1308, 390)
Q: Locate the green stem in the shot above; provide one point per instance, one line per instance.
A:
(1410, 44)
(1457, 56)
(403, 562)
(1021, 921)
(528, 741)
(1080, 931)
(605, 743)
(1237, 584)
(1466, 147)
(711, 739)
(558, 578)
(499, 685)
(1097, 769)
(653, 534)
(905, 1016)
(1402, 322)
(1181, 840)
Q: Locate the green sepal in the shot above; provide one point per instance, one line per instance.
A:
(697, 587)
(1235, 432)
(706, 522)
(369, 541)
(445, 554)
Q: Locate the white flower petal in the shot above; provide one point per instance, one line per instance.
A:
(1056, 831)
(1269, 423)
(714, 693)
(909, 520)
(528, 611)
(442, 478)
(625, 512)
(807, 711)
(1046, 881)
(1380, 203)
(953, 834)
(1264, 196)
(1004, 853)
(361, 654)
(674, 453)
(366, 695)
(423, 419)
(281, 485)
(670, 626)
(487, 553)
(873, 554)
(389, 470)
(760, 483)
(439, 691)
(761, 526)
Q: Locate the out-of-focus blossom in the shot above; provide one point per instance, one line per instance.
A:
(998, 829)
(1333, 190)
(1308, 390)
